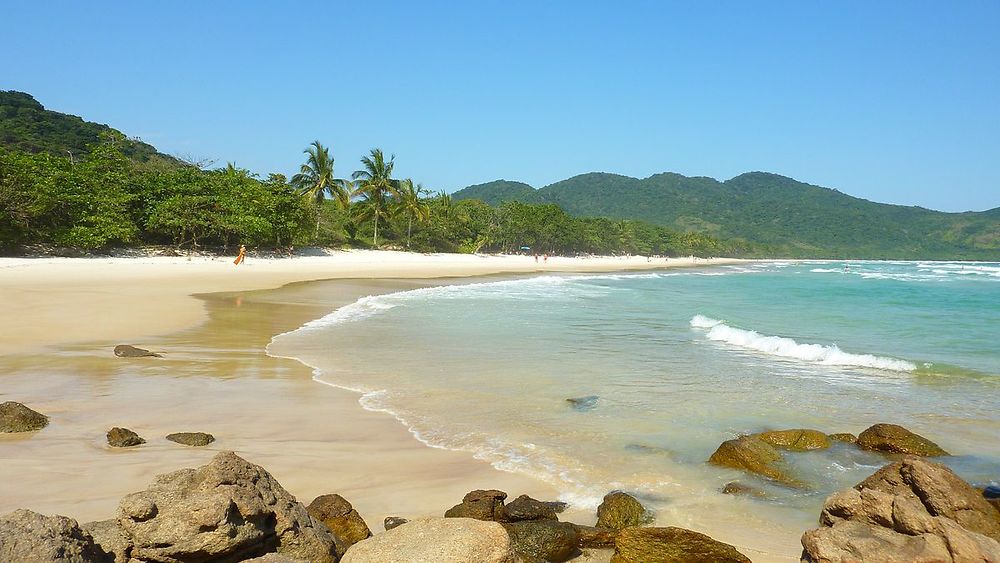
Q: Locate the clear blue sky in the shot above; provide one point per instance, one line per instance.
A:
(891, 101)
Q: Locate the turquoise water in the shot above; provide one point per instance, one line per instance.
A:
(680, 361)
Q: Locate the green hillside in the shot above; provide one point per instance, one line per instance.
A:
(26, 125)
(791, 217)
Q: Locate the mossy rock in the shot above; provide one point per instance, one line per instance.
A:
(752, 454)
(191, 438)
(15, 417)
(671, 545)
(846, 437)
(123, 438)
(340, 517)
(621, 510)
(545, 540)
(892, 438)
(796, 439)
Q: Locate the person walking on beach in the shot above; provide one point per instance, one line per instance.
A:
(241, 256)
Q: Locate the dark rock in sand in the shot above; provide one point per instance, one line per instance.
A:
(891, 438)
(123, 438)
(546, 540)
(619, 511)
(191, 438)
(752, 454)
(583, 403)
(110, 538)
(671, 545)
(126, 351)
(527, 508)
(340, 517)
(15, 417)
(843, 437)
(797, 439)
(391, 522)
(480, 505)
(28, 536)
(740, 489)
(592, 537)
(227, 510)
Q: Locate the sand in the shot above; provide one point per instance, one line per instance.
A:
(60, 317)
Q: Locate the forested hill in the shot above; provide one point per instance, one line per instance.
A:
(27, 126)
(793, 218)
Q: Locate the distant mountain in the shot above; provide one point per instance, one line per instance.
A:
(792, 218)
(27, 126)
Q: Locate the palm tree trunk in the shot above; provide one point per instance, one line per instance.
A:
(375, 238)
(409, 226)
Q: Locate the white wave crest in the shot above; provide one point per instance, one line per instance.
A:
(787, 348)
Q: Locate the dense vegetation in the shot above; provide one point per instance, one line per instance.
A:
(779, 214)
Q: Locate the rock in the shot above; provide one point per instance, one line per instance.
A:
(527, 508)
(843, 437)
(15, 417)
(340, 517)
(547, 540)
(274, 558)
(991, 492)
(592, 537)
(737, 488)
(671, 545)
(797, 439)
(391, 522)
(587, 403)
(620, 510)
(191, 438)
(441, 540)
(867, 543)
(227, 510)
(481, 505)
(108, 536)
(751, 454)
(126, 351)
(30, 536)
(890, 438)
(123, 438)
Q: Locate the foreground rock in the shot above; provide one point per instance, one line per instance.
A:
(547, 540)
(15, 417)
(340, 517)
(196, 439)
(891, 438)
(227, 510)
(123, 438)
(442, 540)
(126, 351)
(29, 536)
(527, 508)
(592, 537)
(619, 511)
(797, 439)
(110, 538)
(481, 505)
(751, 454)
(671, 545)
(912, 510)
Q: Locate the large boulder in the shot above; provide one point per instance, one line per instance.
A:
(891, 438)
(481, 505)
(340, 517)
(228, 510)
(619, 511)
(527, 508)
(442, 540)
(127, 351)
(29, 536)
(671, 545)
(797, 439)
(110, 538)
(752, 454)
(15, 417)
(547, 540)
(196, 439)
(123, 438)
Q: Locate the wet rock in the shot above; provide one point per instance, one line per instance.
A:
(123, 438)
(527, 508)
(843, 437)
(620, 510)
(442, 540)
(891, 438)
(227, 510)
(751, 454)
(797, 439)
(671, 545)
(15, 417)
(110, 538)
(583, 403)
(547, 540)
(126, 351)
(191, 438)
(992, 496)
(340, 517)
(481, 505)
(592, 537)
(391, 522)
(741, 489)
(29, 536)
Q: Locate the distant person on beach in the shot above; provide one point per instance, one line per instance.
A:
(545, 258)
(241, 256)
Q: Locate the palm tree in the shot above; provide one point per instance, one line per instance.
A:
(376, 186)
(315, 180)
(412, 205)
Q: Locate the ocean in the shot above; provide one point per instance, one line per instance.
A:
(667, 365)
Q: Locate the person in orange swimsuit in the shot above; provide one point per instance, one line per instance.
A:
(241, 256)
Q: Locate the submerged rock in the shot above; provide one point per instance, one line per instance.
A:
(583, 403)
(547, 540)
(797, 439)
(340, 517)
(527, 508)
(123, 438)
(737, 488)
(891, 438)
(671, 545)
(480, 505)
(619, 511)
(191, 438)
(127, 351)
(30, 536)
(751, 454)
(15, 417)
(442, 540)
(843, 437)
(391, 522)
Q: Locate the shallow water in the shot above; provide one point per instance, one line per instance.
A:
(680, 361)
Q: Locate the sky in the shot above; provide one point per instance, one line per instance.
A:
(896, 102)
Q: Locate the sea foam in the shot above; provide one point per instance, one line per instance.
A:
(787, 348)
